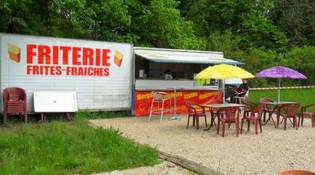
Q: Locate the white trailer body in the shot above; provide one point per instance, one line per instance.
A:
(99, 72)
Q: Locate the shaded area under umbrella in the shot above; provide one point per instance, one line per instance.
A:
(223, 72)
(280, 72)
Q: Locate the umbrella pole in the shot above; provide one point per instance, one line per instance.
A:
(219, 89)
(223, 89)
(279, 90)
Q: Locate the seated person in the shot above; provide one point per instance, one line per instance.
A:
(168, 75)
(240, 91)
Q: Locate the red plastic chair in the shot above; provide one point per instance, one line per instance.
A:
(254, 115)
(268, 110)
(296, 172)
(308, 110)
(228, 115)
(214, 112)
(246, 102)
(195, 111)
(288, 111)
(14, 102)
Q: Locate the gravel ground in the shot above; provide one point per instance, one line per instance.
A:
(267, 153)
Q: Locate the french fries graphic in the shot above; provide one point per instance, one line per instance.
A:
(118, 58)
(14, 53)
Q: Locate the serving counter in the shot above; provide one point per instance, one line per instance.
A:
(183, 90)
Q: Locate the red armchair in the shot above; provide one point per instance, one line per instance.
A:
(308, 110)
(228, 115)
(296, 172)
(288, 111)
(14, 102)
(195, 111)
(268, 110)
(254, 115)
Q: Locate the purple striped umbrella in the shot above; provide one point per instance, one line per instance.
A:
(280, 72)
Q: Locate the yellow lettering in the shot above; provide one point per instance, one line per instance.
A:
(190, 95)
(144, 96)
(140, 96)
(206, 95)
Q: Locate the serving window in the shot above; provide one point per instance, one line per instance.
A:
(155, 70)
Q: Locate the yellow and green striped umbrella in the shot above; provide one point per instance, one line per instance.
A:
(222, 72)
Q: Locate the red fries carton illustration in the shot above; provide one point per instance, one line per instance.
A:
(14, 53)
(118, 58)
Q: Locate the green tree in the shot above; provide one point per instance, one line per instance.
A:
(4, 15)
(258, 32)
(296, 19)
(143, 22)
(158, 23)
(212, 16)
(89, 19)
(228, 44)
(302, 59)
(259, 59)
(14, 16)
(68, 17)
(109, 20)
(245, 18)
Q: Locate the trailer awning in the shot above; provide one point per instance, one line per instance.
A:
(183, 56)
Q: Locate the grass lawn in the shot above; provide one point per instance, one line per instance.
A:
(302, 96)
(68, 148)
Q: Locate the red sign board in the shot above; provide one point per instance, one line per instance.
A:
(143, 99)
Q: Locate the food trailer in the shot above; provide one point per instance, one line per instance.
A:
(173, 71)
(105, 76)
(99, 72)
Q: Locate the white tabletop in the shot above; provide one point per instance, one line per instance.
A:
(223, 105)
(277, 102)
